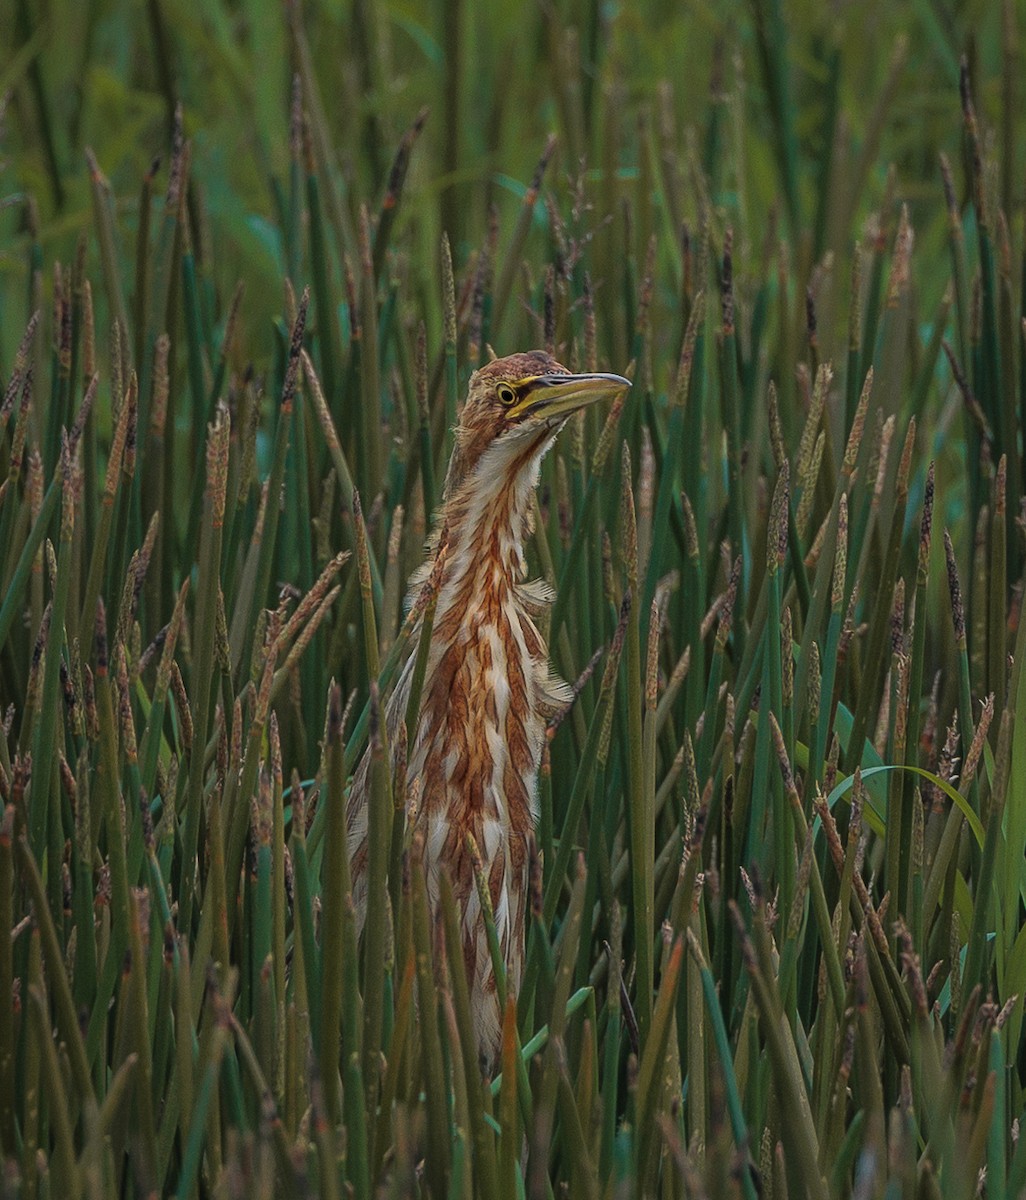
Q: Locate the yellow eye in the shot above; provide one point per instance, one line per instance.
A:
(506, 394)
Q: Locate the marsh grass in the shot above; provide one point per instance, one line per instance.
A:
(776, 941)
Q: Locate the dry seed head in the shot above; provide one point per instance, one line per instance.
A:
(68, 490)
(616, 646)
(776, 534)
(182, 704)
(177, 169)
(320, 404)
(218, 437)
(727, 282)
(905, 463)
(222, 646)
(608, 584)
(1000, 481)
(421, 371)
(785, 763)
(313, 598)
(692, 793)
(727, 607)
(820, 389)
(590, 331)
(395, 535)
(132, 428)
(605, 441)
(646, 477)
(84, 409)
(815, 682)
(362, 556)
(883, 451)
(448, 293)
(288, 390)
(125, 705)
(973, 137)
(776, 431)
(21, 424)
(840, 556)
(926, 526)
(652, 657)
(687, 352)
(628, 520)
(901, 259)
(92, 720)
(50, 555)
(22, 364)
(858, 425)
(918, 832)
(575, 432)
(848, 626)
(401, 163)
(801, 887)
(35, 683)
(972, 759)
(221, 754)
(117, 450)
(787, 657)
(100, 638)
(809, 485)
(71, 687)
(901, 715)
(690, 529)
(913, 971)
(116, 381)
(298, 135)
(898, 617)
(955, 591)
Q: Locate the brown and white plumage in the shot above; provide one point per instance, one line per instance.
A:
(488, 689)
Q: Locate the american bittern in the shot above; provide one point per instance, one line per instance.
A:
(488, 689)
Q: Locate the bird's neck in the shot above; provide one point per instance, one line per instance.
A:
(489, 516)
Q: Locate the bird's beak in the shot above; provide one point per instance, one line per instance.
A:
(547, 396)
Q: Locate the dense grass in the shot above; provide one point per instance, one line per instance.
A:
(776, 940)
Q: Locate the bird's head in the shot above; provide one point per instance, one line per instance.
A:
(521, 402)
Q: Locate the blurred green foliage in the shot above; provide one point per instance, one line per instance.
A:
(779, 947)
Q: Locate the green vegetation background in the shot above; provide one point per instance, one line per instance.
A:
(777, 942)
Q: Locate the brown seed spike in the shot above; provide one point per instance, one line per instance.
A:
(1000, 487)
(840, 556)
(776, 534)
(905, 463)
(727, 282)
(628, 520)
(955, 590)
(288, 390)
(926, 526)
(776, 430)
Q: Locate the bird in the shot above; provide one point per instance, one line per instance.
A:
(488, 689)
